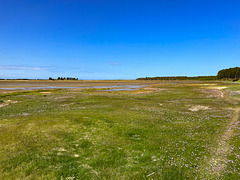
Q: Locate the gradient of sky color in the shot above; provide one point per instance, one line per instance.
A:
(118, 39)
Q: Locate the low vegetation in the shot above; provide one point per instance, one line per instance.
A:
(166, 131)
(63, 78)
(205, 78)
(231, 73)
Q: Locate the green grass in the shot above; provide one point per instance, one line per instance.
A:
(114, 135)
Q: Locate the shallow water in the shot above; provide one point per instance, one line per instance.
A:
(118, 88)
(125, 88)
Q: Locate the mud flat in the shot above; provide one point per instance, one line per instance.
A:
(12, 85)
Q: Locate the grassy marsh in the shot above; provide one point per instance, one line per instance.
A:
(166, 131)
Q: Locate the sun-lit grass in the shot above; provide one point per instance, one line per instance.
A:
(91, 134)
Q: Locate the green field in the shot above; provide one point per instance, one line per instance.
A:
(188, 130)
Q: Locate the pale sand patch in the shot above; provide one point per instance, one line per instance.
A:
(61, 149)
(45, 92)
(3, 104)
(198, 108)
(218, 88)
(201, 84)
(10, 101)
(208, 84)
(223, 87)
(215, 87)
(6, 103)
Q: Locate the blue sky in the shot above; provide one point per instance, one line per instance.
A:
(118, 39)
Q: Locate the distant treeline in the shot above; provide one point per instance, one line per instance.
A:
(63, 78)
(180, 78)
(231, 73)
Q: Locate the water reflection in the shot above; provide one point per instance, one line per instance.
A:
(106, 88)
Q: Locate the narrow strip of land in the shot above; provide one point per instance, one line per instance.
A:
(219, 161)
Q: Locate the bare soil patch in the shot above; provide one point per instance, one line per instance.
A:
(198, 108)
(6, 103)
(211, 92)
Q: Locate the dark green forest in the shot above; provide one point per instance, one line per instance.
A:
(180, 78)
(231, 73)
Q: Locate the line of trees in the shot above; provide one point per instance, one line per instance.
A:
(63, 78)
(231, 73)
(180, 78)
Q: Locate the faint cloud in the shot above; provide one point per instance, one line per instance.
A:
(114, 63)
(20, 67)
(65, 69)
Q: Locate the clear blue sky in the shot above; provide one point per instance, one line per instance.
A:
(118, 39)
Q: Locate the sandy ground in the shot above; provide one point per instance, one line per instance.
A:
(6, 103)
(198, 107)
